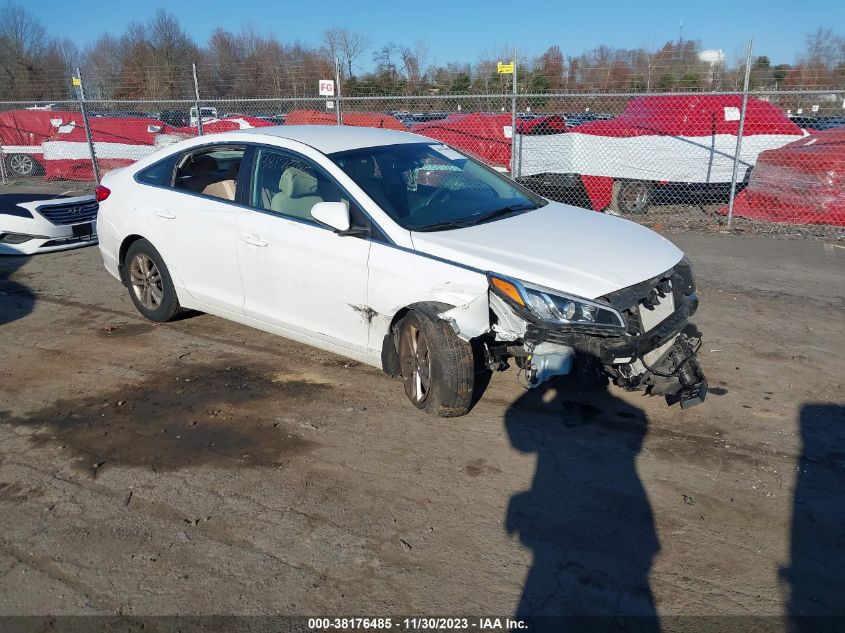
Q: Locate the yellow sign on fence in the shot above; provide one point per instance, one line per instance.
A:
(76, 81)
(505, 69)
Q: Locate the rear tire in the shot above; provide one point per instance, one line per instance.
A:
(21, 164)
(632, 197)
(437, 367)
(149, 283)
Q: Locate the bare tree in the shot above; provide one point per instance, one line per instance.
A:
(103, 61)
(551, 66)
(152, 60)
(22, 35)
(413, 62)
(32, 65)
(825, 51)
(222, 58)
(352, 46)
(384, 59)
(332, 42)
(824, 47)
(650, 67)
(172, 52)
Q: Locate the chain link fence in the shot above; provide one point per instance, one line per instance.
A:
(741, 160)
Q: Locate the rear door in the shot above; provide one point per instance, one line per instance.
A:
(196, 224)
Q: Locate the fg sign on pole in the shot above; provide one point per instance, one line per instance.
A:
(327, 87)
(505, 69)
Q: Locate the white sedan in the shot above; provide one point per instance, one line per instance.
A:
(40, 223)
(400, 252)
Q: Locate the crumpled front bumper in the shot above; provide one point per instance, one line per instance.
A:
(678, 375)
(673, 370)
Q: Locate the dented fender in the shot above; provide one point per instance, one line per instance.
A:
(470, 319)
(400, 278)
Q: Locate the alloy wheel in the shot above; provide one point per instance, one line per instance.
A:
(146, 281)
(415, 361)
(21, 164)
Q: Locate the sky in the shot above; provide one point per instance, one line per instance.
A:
(461, 29)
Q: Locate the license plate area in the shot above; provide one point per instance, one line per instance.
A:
(83, 230)
(655, 315)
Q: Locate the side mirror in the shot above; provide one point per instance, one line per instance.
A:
(333, 214)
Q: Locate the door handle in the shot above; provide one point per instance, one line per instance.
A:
(253, 239)
(164, 213)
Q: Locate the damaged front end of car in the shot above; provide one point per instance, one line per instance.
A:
(639, 337)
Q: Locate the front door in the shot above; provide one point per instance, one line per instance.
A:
(298, 274)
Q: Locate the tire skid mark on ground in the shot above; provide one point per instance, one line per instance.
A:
(206, 535)
(217, 532)
(52, 569)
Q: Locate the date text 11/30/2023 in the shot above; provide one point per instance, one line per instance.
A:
(416, 624)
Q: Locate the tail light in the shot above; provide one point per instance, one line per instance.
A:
(101, 193)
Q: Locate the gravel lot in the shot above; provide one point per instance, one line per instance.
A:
(201, 467)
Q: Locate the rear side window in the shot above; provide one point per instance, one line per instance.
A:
(160, 173)
(210, 171)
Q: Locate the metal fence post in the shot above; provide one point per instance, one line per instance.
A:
(87, 124)
(513, 119)
(337, 84)
(197, 100)
(740, 131)
(2, 165)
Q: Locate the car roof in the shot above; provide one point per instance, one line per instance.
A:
(338, 138)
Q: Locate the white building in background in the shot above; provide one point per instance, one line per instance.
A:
(715, 60)
(712, 56)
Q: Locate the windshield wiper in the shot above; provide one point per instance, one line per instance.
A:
(486, 217)
(496, 213)
(438, 226)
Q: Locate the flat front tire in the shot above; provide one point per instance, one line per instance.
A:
(149, 283)
(437, 367)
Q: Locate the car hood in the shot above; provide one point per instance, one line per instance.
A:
(565, 248)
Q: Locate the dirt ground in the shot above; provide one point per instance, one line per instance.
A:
(202, 467)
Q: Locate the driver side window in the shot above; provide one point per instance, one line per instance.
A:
(289, 185)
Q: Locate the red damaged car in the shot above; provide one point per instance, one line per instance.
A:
(800, 183)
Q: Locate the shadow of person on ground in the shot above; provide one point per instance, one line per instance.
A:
(815, 578)
(586, 518)
(16, 299)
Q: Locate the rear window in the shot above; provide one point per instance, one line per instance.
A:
(160, 173)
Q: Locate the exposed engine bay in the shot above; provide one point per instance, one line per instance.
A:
(639, 337)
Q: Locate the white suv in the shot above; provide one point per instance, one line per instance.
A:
(403, 253)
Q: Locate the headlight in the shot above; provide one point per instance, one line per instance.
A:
(555, 307)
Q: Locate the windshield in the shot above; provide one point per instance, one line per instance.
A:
(430, 187)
